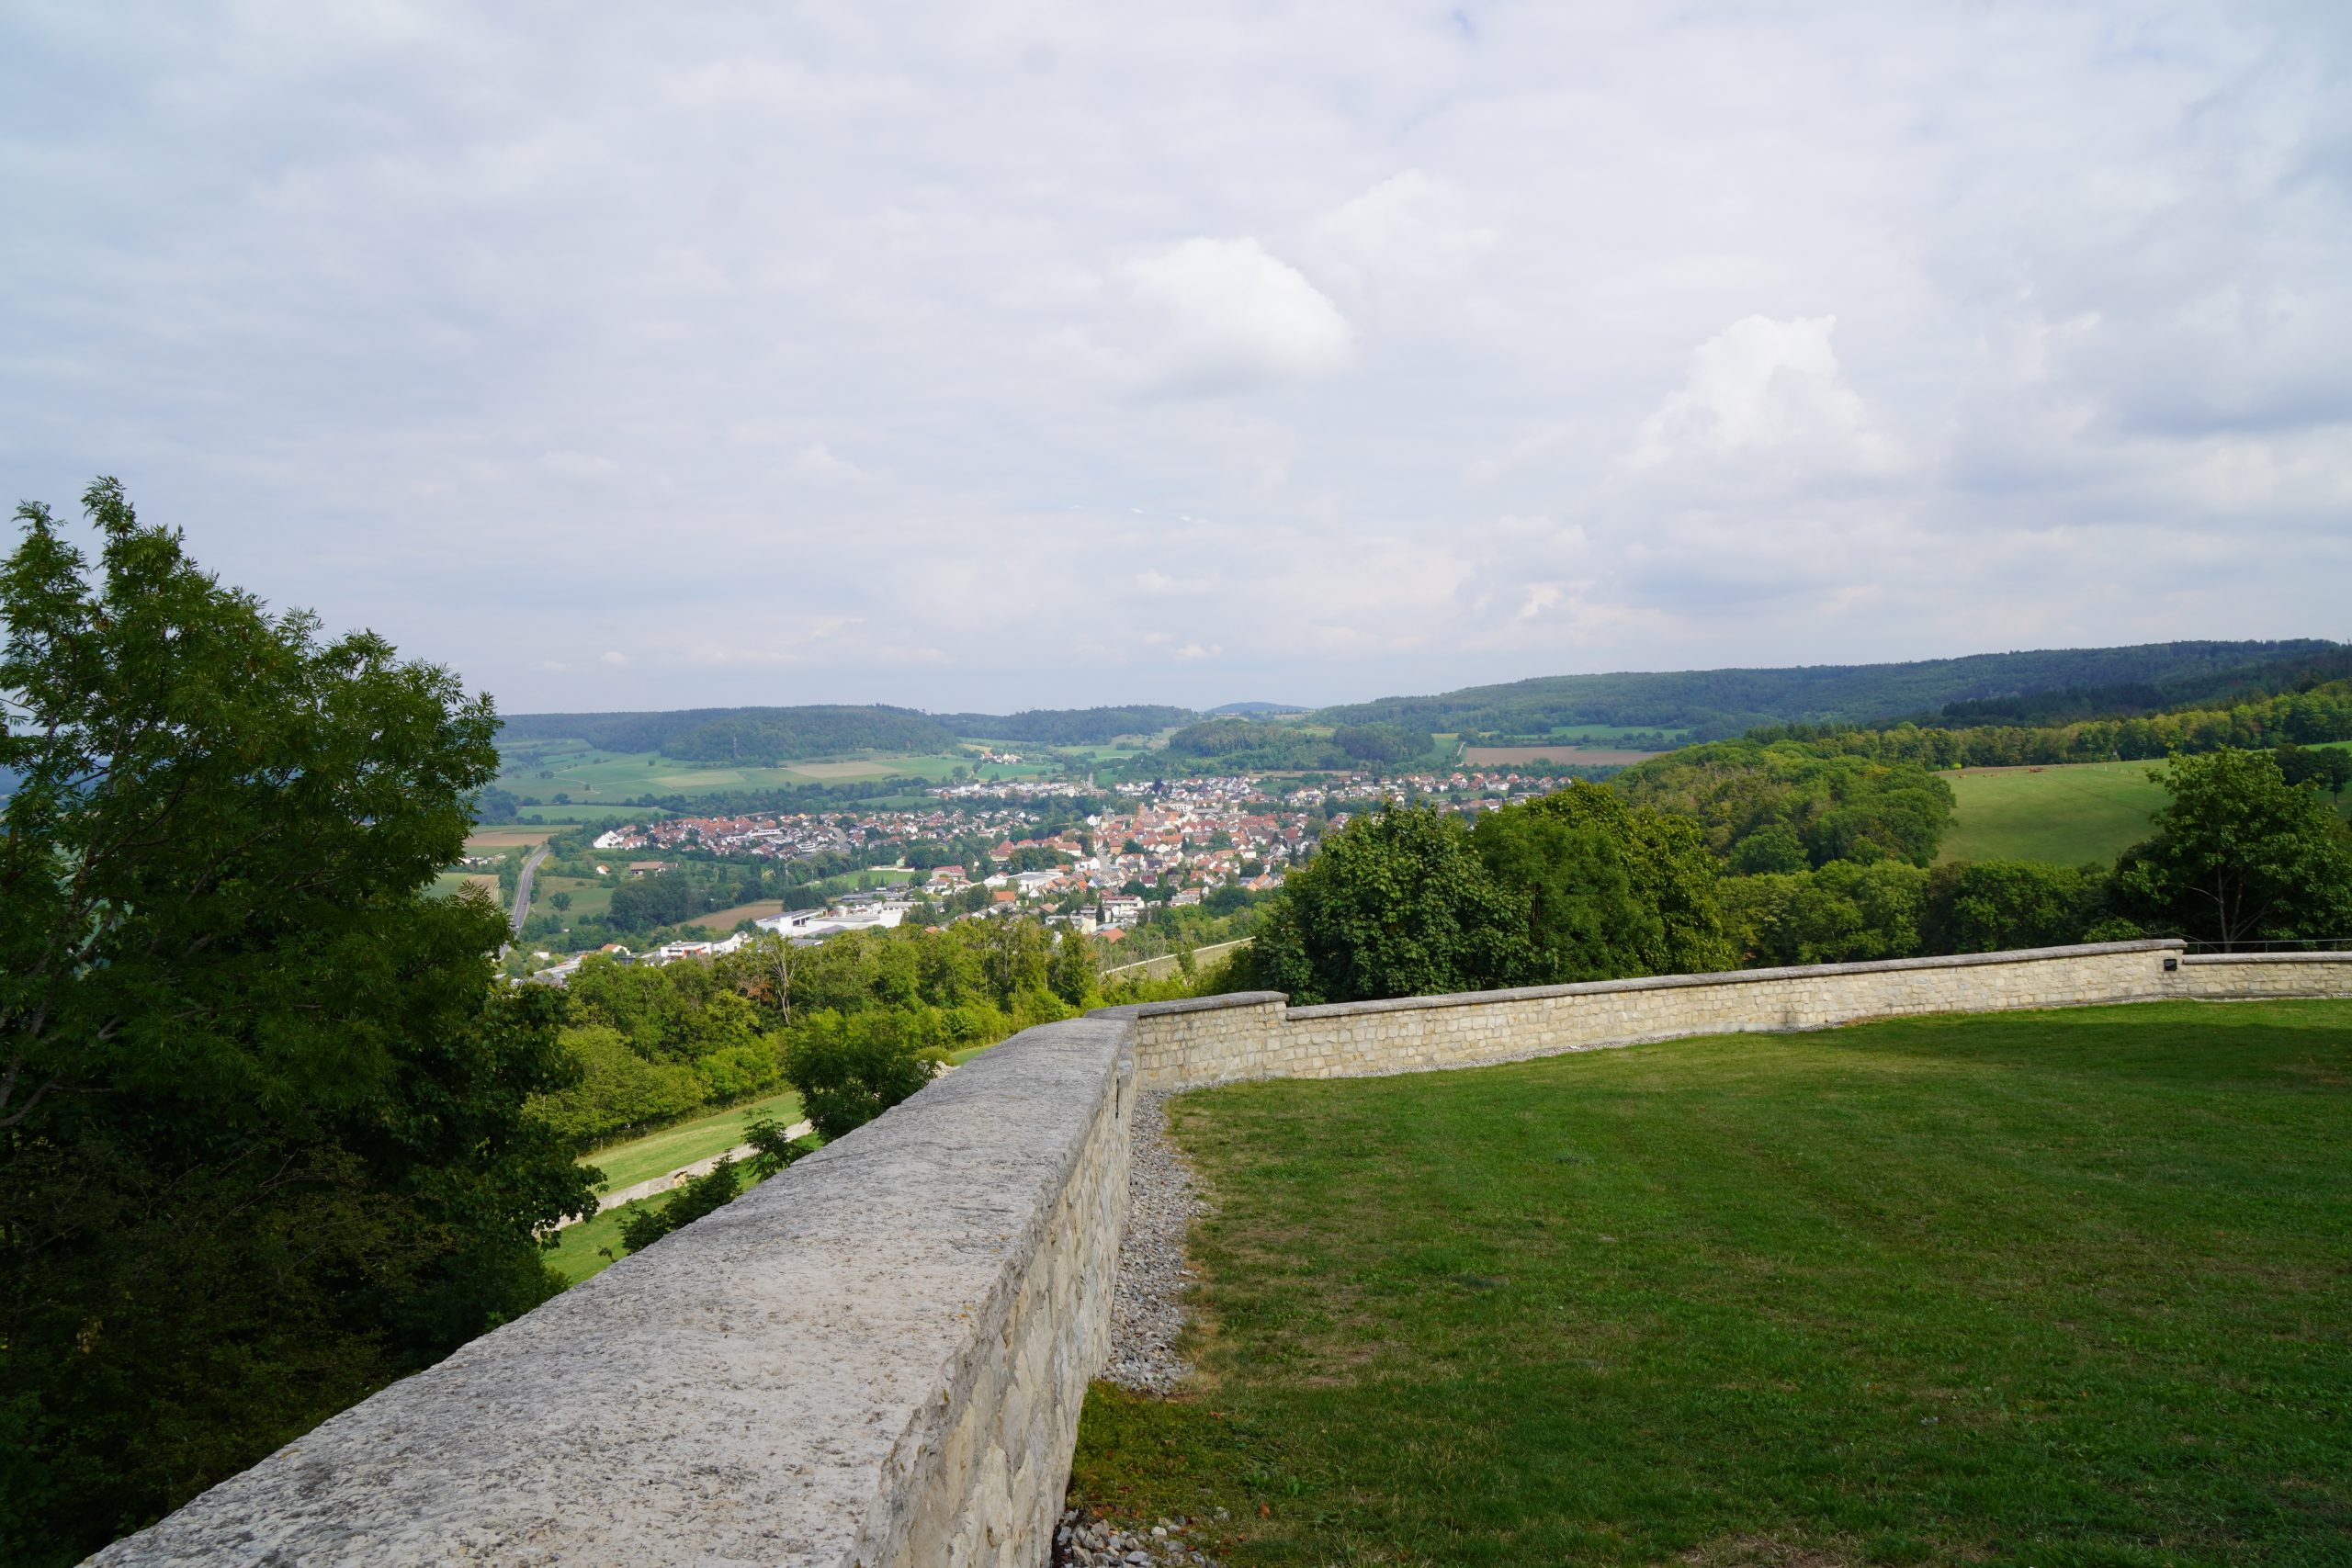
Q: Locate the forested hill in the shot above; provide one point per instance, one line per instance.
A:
(1066, 727)
(1712, 703)
(765, 734)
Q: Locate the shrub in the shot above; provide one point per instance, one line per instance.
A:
(849, 1069)
(700, 1196)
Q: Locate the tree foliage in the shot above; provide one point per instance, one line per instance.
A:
(1395, 904)
(1792, 799)
(849, 1068)
(1407, 901)
(1613, 889)
(2240, 855)
(262, 1143)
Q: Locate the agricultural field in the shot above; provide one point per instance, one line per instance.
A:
(591, 778)
(488, 841)
(447, 884)
(2014, 1288)
(1514, 756)
(723, 920)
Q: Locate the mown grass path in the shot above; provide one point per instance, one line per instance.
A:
(2060, 1288)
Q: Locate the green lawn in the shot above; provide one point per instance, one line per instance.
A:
(626, 1165)
(2072, 814)
(2062, 1288)
(593, 1245)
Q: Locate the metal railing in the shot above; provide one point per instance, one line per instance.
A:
(2284, 944)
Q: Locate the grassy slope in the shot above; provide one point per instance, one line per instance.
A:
(2027, 1288)
(2085, 811)
(582, 1249)
(626, 1165)
(2072, 814)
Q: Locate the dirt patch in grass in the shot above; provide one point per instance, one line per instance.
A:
(725, 920)
(507, 837)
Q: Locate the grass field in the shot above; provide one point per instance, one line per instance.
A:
(2026, 1289)
(2074, 814)
(447, 884)
(626, 1165)
(592, 1245)
(728, 919)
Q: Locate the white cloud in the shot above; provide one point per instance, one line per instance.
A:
(1766, 387)
(1225, 315)
(817, 462)
(1491, 352)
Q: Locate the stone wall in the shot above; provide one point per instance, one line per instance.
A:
(2234, 976)
(878, 1357)
(875, 1358)
(1255, 1034)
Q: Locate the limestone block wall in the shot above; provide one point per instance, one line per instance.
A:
(2228, 977)
(875, 1358)
(878, 1357)
(1255, 1034)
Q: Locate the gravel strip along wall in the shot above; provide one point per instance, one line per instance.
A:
(1255, 1034)
(1147, 1303)
(877, 1358)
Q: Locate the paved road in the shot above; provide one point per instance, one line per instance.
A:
(522, 909)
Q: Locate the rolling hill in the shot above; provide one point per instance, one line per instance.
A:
(1717, 704)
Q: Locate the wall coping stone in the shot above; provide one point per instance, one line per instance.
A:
(772, 1383)
(2267, 958)
(1206, 1004)
(1665, 982)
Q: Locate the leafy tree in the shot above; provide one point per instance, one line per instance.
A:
(1073, 972)
(263, 1137)
(2239, 855)
(1381, 742)
(1612, 889)
(1992, 905)
(849, 1069)
(1395, 904)
(1846, 912)
(2327, 768)
(774, 1147)
(1834, 805)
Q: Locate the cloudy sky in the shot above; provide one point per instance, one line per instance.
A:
(1006, 355)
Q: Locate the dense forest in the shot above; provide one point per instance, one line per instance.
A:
(1066, 727)
(1720, 703)
(2290, 718)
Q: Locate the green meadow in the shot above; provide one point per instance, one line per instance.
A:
(2069, 1288)
(2072, 814)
